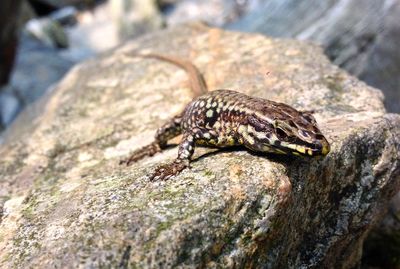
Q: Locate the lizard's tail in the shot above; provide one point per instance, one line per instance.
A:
(197, 82)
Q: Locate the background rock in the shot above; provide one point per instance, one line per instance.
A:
(67, 203)
(31, 79)
(214, 12)
(9, 105)
(49, 46)
(362, 37)
(135, 17)
(49, 32)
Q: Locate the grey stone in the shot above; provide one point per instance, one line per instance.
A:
(48, 31)
(213, 12)
(360, 36)
(37, 68)
(9, 107)
(67, 203)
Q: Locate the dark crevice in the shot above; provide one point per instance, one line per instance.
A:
(125, 258)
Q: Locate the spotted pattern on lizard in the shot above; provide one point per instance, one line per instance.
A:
(224, 118)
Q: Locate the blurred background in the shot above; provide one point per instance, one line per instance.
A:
(40, 40)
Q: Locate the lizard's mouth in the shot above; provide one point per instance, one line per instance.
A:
(319, 148)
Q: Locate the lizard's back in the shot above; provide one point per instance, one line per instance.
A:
(217, 115)
(226, 118)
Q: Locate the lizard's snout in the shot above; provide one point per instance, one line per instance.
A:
(321, 147)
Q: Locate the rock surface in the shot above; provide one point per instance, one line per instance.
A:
(66, 203)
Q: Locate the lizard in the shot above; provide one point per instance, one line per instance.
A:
(224, 118)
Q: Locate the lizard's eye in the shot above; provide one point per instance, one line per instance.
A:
(307, 116)
(304, 133)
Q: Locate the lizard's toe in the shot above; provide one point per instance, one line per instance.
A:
(165, 172)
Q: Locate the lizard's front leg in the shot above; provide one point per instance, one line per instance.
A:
(168, 131)
(185, 152)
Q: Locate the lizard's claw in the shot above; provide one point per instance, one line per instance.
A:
(165, 172)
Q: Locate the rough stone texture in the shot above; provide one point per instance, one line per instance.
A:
(67, 203)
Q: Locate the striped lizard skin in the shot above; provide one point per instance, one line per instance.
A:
(224, 118)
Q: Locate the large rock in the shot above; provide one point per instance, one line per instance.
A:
(67, 203)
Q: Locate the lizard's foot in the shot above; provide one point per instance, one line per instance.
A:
(165, 172)
(141, 153)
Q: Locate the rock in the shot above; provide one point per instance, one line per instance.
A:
(65, 16)
(32, 76)
(382, 246)
(48, 32)
(9, 106)
(135, 17)
(360, 36)
(213, 12)
(67, 203)
(111, 23)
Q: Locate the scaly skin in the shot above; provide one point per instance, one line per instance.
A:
(224, 118)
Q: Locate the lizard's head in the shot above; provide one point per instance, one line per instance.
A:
(300, 135)
(287, 131)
